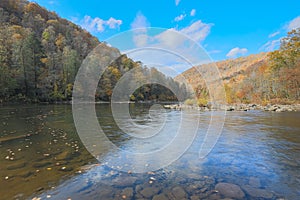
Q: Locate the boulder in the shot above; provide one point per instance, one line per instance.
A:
(257, 193)
(230, 190)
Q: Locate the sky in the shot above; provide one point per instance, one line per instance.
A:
(224, 29)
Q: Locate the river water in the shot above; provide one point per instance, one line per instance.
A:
(42, 156)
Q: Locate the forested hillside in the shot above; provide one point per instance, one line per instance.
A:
(263, 78)
(40, 54)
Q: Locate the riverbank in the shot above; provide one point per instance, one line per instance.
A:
(238, 107)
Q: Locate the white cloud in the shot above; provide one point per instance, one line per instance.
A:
(180, 17)
(99, 25)
(274, 34)
(140, 23)
(236, 51)
(271, 45)
(177, 2)
(295, 23)
(193, 12)
(198, 31)
(113, 23)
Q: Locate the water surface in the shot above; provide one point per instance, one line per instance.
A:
(42, 156)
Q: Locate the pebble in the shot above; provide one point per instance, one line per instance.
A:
(48, 196)
(6, 177)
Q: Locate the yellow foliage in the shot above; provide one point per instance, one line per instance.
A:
(17, 36)
(44, 60)
(202, 102)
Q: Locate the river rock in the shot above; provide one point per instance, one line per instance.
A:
(25, 174)
(257, 193)
(179, 193)
(66, 155)
(41, 164)
(195, 197)
(16, 166)
(149, 192)
(105, 193)
(160, 197)
(230, 190)
(127, 193)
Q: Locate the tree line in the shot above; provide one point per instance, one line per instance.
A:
(40, 54)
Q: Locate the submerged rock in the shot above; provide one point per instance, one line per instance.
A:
(41, 164)
(230, 190)
(149, 192)
(258, 193)
(66, 155)
(127, 193)
(179, 193)
(160, 197)
(16, 166)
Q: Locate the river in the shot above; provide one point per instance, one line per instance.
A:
(42, 156)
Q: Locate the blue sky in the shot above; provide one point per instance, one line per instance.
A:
(226, 29)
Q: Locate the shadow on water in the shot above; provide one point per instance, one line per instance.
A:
(42, 156)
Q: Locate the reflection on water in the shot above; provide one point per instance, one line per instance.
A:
(41, 155)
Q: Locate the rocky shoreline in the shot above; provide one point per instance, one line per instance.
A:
(238, 107)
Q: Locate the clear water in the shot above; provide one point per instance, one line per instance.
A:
(41, 155)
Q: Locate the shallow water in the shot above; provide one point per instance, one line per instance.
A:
(42, 156)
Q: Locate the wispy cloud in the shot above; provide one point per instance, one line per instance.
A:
(193, 12)
(99, 25)
(140, 23)
(214, 51)
(236, 51)
(177, 2)
(271, 45)
(274, 34)
(180, 17)
(295, 23)
(274, 43)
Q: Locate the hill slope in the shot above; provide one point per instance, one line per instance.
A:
(262, 78)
